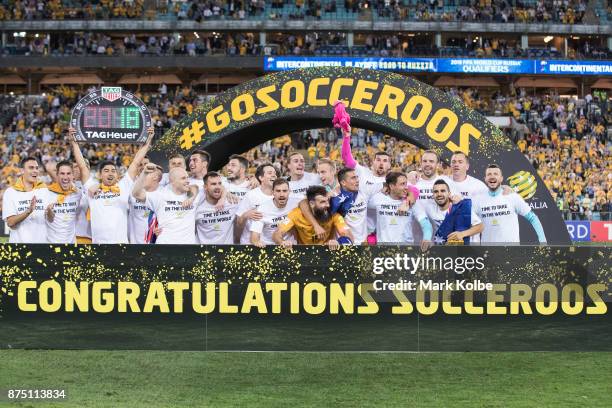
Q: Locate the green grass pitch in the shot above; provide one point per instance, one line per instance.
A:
(185, 379)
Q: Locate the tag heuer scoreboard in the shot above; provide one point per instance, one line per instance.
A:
(111, 115)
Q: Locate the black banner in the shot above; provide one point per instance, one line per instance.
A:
(309, 298)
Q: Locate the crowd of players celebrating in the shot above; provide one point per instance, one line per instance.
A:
(340, 203)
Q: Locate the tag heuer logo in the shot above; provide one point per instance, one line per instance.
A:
(111, 93)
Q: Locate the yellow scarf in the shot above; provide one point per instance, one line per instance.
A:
(113, 189)
(105, 189)
(20, 186)
(61, 194)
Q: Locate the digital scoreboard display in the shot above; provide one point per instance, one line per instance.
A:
(111, 115)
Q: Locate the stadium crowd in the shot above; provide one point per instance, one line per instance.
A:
(566, 141)
(245, 43)
(507, 11)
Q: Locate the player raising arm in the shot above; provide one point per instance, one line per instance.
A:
(109, 200)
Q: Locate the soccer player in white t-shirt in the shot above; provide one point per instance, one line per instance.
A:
(215, 225)
(64, 202)
(300, 180)
(23, 206)
(274, 211)
(139, 211)
(198, 167)
(109, 201)
(461, 182)
(82, 177)
(431, 214)
(372, 178)
(499, 212)
(247, 211)
(428, 167)
(237, 182)
(176, 222)
(374, 175)
(175, 161)
(393, 212)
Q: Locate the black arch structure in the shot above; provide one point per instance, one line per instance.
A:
(273, 105)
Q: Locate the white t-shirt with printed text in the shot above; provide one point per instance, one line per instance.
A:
(299, 187)
(272, 217)
(215, 226)
(177, 223)
(390, 226)
(109, 213)
(63, 228)
(33, 229)
(499, 214)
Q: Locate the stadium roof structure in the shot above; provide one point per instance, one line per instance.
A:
(76, 79)
(537, 82)
(12, 80)
(223, 79)
(602, 83)
(477, 81)
(135, 79)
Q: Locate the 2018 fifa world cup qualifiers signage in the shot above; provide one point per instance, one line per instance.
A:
(111, 115)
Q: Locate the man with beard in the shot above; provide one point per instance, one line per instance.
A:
(215, 225)
(298, 224)
(247, 211)
(428, 166)
(273, 213)
(175, 221)
(237, 182)
(351, 202)
(64, 200)
(394, 211)
(23, 206)
(298, 179)
(499, 212)
(451, 222)
(141, 218)
(109, 201)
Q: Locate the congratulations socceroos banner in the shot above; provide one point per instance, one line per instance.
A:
(251, 298)
(273, 105)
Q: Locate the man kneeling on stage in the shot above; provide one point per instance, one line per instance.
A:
(305, 233)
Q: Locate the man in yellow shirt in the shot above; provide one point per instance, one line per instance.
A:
(297, 223)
